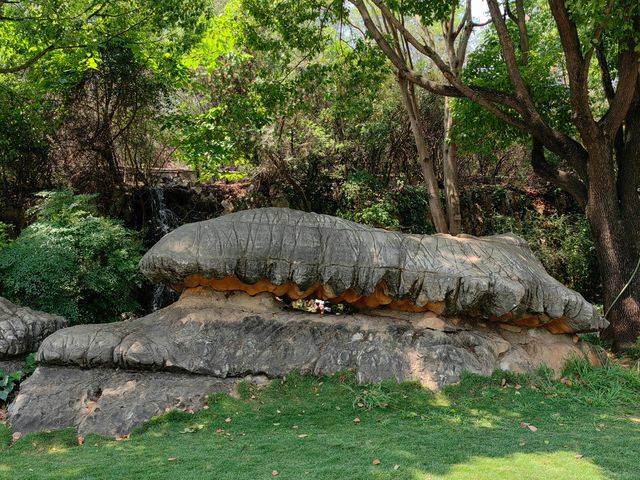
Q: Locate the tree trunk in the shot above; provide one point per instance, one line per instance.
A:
(451, 173)
(617, 247)
(426, 163)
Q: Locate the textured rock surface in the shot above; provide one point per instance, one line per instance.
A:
(108, 378)
(210, 333)
(22, 329)
(106, 401)
(13, 365)
(302, 254)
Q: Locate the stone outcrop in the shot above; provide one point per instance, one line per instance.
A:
(431, 308)
(306, 255)
(22, 329)
(106, 401)
(208, 340)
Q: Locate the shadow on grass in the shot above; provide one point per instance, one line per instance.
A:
(505, 426)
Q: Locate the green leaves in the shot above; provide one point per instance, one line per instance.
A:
(8, 382)
(429, 11)
(72, 262)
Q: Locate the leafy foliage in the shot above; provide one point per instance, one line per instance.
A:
(72, 262)
(273, 83)
(10, 380)
(4, 237)
(480, 131)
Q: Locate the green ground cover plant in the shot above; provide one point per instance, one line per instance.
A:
(585, 425)
(9, 381)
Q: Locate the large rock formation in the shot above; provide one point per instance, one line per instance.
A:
(431, 308)
(306, 255)
(21, 332)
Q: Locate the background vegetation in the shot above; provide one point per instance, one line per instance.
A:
(72, 262)
(280, 103)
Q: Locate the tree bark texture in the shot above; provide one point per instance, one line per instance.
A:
(426, 162)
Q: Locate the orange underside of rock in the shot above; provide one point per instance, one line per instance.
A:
(379, 298)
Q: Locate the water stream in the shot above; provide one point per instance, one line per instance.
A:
(163, 221)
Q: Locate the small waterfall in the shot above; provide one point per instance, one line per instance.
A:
(163, 220)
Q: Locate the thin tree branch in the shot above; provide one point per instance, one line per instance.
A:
(578, 84)
(560, 178)
(627, 83)
(605, 73)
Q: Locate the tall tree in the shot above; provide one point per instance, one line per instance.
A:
(600, 150)
(455, 30)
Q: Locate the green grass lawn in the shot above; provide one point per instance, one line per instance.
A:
(587, 427)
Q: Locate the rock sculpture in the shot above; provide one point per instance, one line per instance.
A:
(306, 255)
(431, 308)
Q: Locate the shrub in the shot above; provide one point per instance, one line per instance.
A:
(73, 262)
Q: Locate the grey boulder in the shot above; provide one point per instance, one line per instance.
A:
(22, 329)
(106, 401)
(109, 378)
(298, 254)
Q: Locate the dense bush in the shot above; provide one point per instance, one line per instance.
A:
(72, 262)
(365, 199)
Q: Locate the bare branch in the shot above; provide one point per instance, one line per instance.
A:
(627, 84)
(560, 178)
(579, 86)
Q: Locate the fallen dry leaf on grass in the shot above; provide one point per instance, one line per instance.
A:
(275, 473)
(375, 461)
(227, 420)
(122, 438)
(579, 455)
(533, 428)
(193, 428)
(356, 420)
(80, 440)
